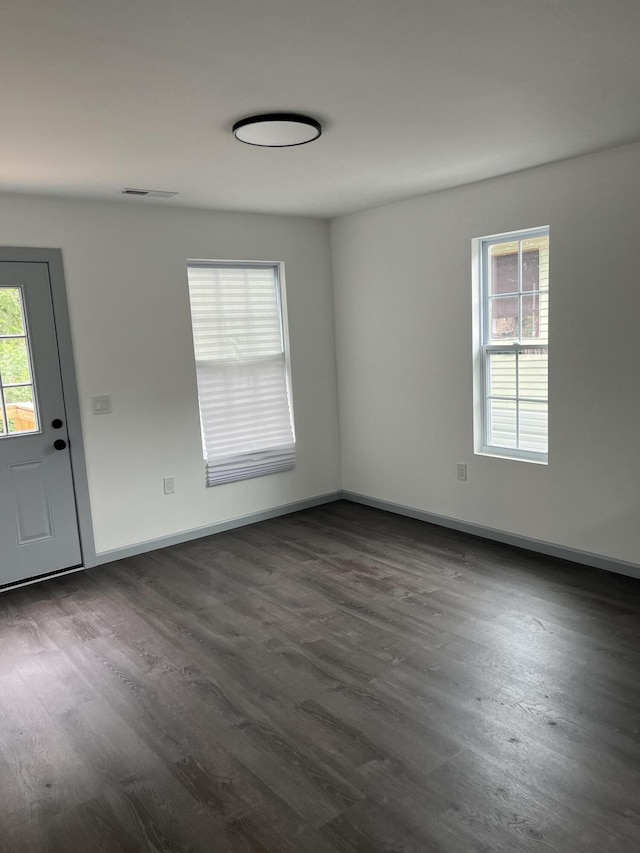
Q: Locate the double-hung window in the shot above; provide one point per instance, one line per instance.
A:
(513, 358)
(238, 317)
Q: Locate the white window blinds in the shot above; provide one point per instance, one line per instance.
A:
(242, 370)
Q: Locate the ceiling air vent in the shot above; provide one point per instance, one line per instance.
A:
(149, 193)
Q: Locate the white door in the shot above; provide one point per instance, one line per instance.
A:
(38, 520)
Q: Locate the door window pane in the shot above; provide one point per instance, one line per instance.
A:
(14, 361)
(20, 409)
(11, 319)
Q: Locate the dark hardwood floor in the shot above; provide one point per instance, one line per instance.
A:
(341, 679)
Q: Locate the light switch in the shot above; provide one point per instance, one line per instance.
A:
(101, 405)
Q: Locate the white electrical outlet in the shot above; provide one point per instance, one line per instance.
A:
(462, 471)
(169, 486)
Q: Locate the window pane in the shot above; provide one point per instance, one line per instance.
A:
(533, 426)
(531, 317)
(535, 263)
(530, 270)
(503, 268)
(2, 429)
(504, 318)
(502, 424)
(20, 409)
(502, 374)
(543, 310)
(533, 371)
(11, 322)
(14, 361)
(235, 313)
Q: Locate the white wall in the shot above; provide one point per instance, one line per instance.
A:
(402, 293)
(125, 267)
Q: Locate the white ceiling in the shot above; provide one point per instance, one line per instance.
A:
(414, 95)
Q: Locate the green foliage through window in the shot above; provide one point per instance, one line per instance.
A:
(15, 369)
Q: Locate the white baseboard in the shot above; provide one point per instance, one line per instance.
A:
(586, 558)
(219, 527)
(538, 546)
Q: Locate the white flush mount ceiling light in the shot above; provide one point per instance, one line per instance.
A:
(277, 130)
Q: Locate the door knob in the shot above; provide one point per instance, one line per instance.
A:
(56, 423)
(59, 444)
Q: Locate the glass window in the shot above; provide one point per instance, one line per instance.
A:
(513, 375)
(18, 411)
(242, 367)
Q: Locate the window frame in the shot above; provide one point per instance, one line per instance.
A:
(483, 347)
(280, 292)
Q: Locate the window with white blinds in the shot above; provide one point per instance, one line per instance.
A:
(242, 369)
(514, 353)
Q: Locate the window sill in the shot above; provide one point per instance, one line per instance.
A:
(504, 453)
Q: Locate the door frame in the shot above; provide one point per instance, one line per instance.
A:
(53, 259)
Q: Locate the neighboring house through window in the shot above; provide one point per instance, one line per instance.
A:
(512, 356)
(238, 315)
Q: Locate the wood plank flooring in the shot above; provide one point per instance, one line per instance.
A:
(340, 679)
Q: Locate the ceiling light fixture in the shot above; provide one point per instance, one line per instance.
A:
(277, 130)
